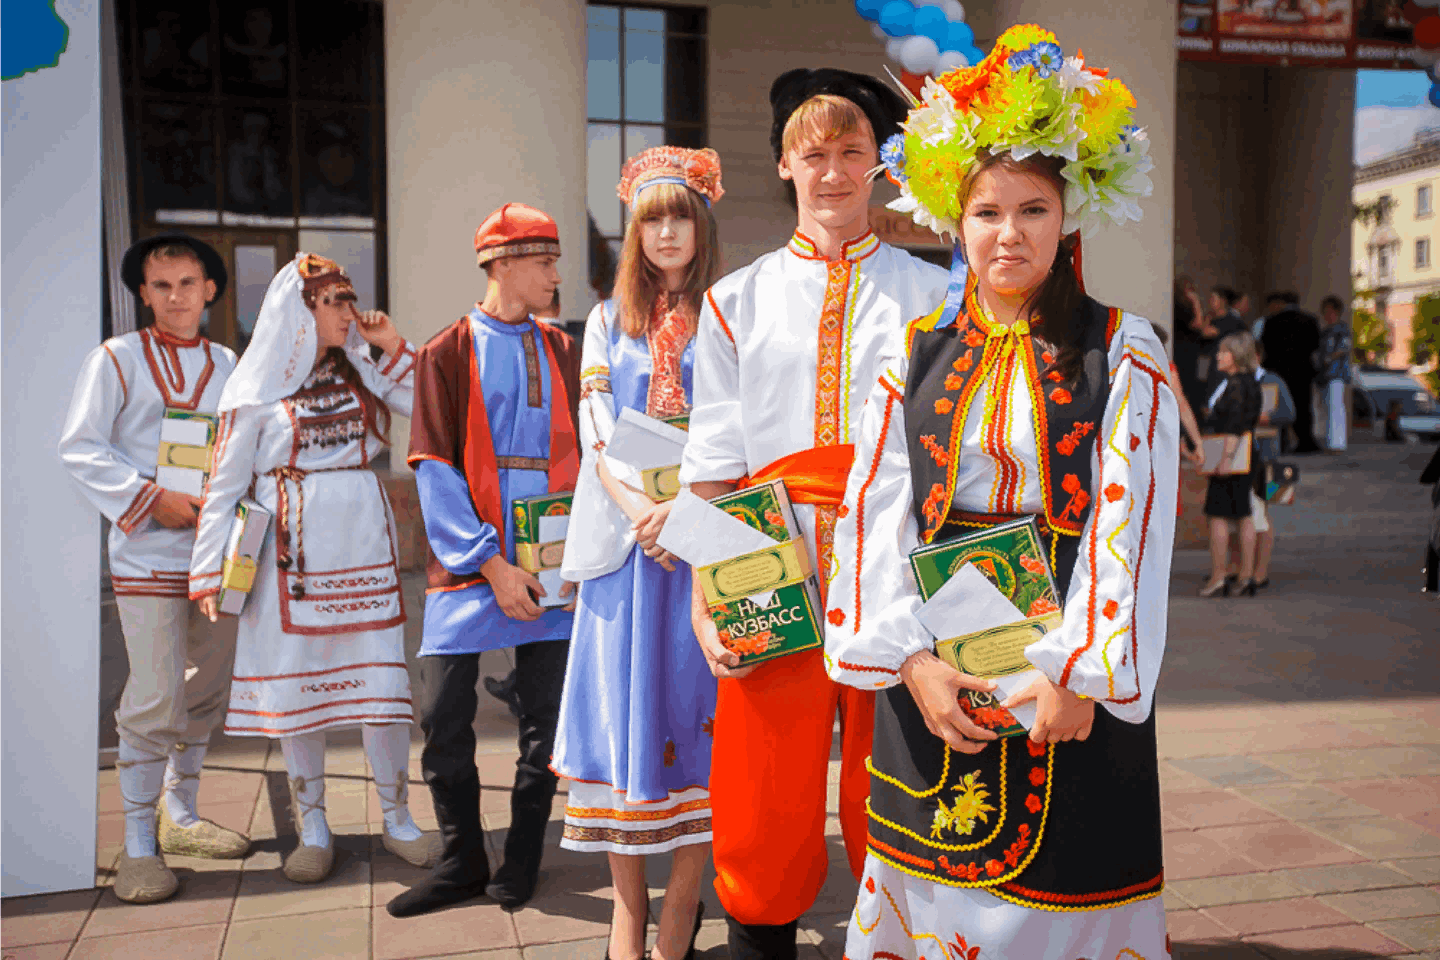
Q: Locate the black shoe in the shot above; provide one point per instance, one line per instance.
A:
(504, 691)
(464, 870)
(760, 942)
(1247, 589)
(1262, 584)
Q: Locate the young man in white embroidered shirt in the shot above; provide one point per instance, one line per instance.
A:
(127, 387)
(806, 321)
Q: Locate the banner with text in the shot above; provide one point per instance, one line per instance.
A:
(1368, 34)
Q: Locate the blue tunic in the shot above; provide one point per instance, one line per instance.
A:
(470, 620)
(639, 698)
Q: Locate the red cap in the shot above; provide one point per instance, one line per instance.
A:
(516, 230)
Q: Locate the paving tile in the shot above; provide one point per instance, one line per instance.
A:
(1213, 808)
(1313, 735)
(1275, 915)
(1232, 771)
(479, 921)
(204, 898)
(571, 950)
(1305, 801)
(1190, 855)
(564, 916)
(39, 951)
(1406, 797)
(1280, 844)
(1327, 943)
(45, 918)
(1174, 900)
(1398, 730)
(313, 936)
(827, 932)
(1420, 933)
(1381, 838)
(229, 787)
(1244, 888)
(1386, 904)
(1346, 877)
(1214, 950)
(1172, 719)
(1424, 869)
(1172, 779)
(1210, 743)
(504, 953)
(267, 893)
(184, 943)
(1194, 925)
(1360, 764)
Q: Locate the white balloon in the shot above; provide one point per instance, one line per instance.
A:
(880, 34)
(918, 54)
(950, 60)
(928, 3)
(892, 48)
(955, 10)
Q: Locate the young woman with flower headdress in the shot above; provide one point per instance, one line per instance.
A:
(1020, 396)
(321, 637)
(634, 732)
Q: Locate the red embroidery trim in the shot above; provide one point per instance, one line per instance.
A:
(860, 498)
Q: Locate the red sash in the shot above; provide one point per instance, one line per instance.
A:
(816, 475)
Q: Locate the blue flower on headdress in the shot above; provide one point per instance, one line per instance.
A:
(892, 154)
(1046, 58)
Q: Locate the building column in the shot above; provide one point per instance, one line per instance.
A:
(485, 104)
(1308, 214)
(1130, 266)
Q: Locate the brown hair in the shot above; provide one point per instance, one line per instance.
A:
(638, 282)
(1054, 304)
(376, 411)
(173, 251)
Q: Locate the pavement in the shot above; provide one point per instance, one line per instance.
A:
(1300, 771)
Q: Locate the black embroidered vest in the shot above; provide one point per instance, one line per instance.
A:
(1070, 826)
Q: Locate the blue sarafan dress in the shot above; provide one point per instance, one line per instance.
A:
(639, 702)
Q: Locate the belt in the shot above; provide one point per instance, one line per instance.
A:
(283, 558)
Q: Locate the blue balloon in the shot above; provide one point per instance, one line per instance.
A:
(1435, 94)
(869, 9)
(930, 22)
(958, 36)
(897, 17)
(974, 54)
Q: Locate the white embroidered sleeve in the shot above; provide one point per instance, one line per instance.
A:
(233, 467)
(392, 378)
(716, 446)
(871, 627)
(116, 486)
(1113, 636)
(597, 403)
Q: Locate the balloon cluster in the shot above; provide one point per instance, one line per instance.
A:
(924, 36)
(1425, 18)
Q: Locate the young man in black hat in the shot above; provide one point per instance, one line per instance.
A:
(148, 482)
(814, 316)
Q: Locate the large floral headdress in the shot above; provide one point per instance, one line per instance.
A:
(1025, 97)
(697, 169)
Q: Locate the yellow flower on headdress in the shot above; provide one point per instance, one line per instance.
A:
(1024, 35)
(1105, 114)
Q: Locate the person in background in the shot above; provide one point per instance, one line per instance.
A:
(1224, 319)
(302, 418)
(167, 711)
(1335, 345)
(639, 703)
(1189, 327)
(1290, 339)
(1233, 411)
(1277, 411)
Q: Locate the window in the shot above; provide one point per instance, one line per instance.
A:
(1422, 253)
(1422, 201)
(259, 127)
(1386, 205)
(1382, 262)
(645, 88)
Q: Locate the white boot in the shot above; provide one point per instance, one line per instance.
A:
(388, 748)
(312, 861)
(141, 876)
(182, 830)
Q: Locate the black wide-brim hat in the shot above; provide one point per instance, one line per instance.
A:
(132, 266)
(882, 106)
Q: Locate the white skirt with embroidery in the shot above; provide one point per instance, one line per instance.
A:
(902, 917)
(598, 820)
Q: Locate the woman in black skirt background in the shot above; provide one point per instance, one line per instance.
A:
(1233, 411)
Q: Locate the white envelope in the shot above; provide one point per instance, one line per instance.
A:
(644, 442)
(702, 534)
(966, 603)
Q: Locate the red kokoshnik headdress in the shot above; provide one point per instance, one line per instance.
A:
(697, 169)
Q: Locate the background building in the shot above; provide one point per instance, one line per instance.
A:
(1393, 245)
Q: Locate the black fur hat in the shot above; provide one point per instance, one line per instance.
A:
(884, 108)
(132, 266)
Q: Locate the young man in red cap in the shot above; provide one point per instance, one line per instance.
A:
(129, 386)
(809, 320)
(496, 395)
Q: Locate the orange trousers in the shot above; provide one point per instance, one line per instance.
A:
(768, 777)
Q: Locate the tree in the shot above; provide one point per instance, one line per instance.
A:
(1369, 331)
(1425, 336)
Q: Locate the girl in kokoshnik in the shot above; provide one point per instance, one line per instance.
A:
(635, 718)
(321, 640)
(1020, 396)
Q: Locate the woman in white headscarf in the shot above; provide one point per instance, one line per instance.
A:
(321, 640)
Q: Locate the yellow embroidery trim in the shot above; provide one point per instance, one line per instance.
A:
(1122, 416)
(920, 794)
(1054, 908)
(947, 847)
(905, 926)
(848, 345)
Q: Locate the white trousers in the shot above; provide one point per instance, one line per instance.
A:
(1337, 419)
(179, 682)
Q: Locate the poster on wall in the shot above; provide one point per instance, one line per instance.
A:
(1368, 34)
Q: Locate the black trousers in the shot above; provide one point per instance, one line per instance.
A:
(447, 705)
(1302, 393)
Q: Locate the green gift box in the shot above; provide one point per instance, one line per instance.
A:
(530, 553)
(790, 622)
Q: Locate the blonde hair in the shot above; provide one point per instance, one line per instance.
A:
(822, 118)
(1241, 347)
(638, 282)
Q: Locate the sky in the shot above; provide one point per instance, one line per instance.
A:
(1390, 105)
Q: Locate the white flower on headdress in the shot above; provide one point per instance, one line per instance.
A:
(1073, 76)
(937, 119)
(1109, 186)
(917, 211)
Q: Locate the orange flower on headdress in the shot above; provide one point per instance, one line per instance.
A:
(697, 169)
